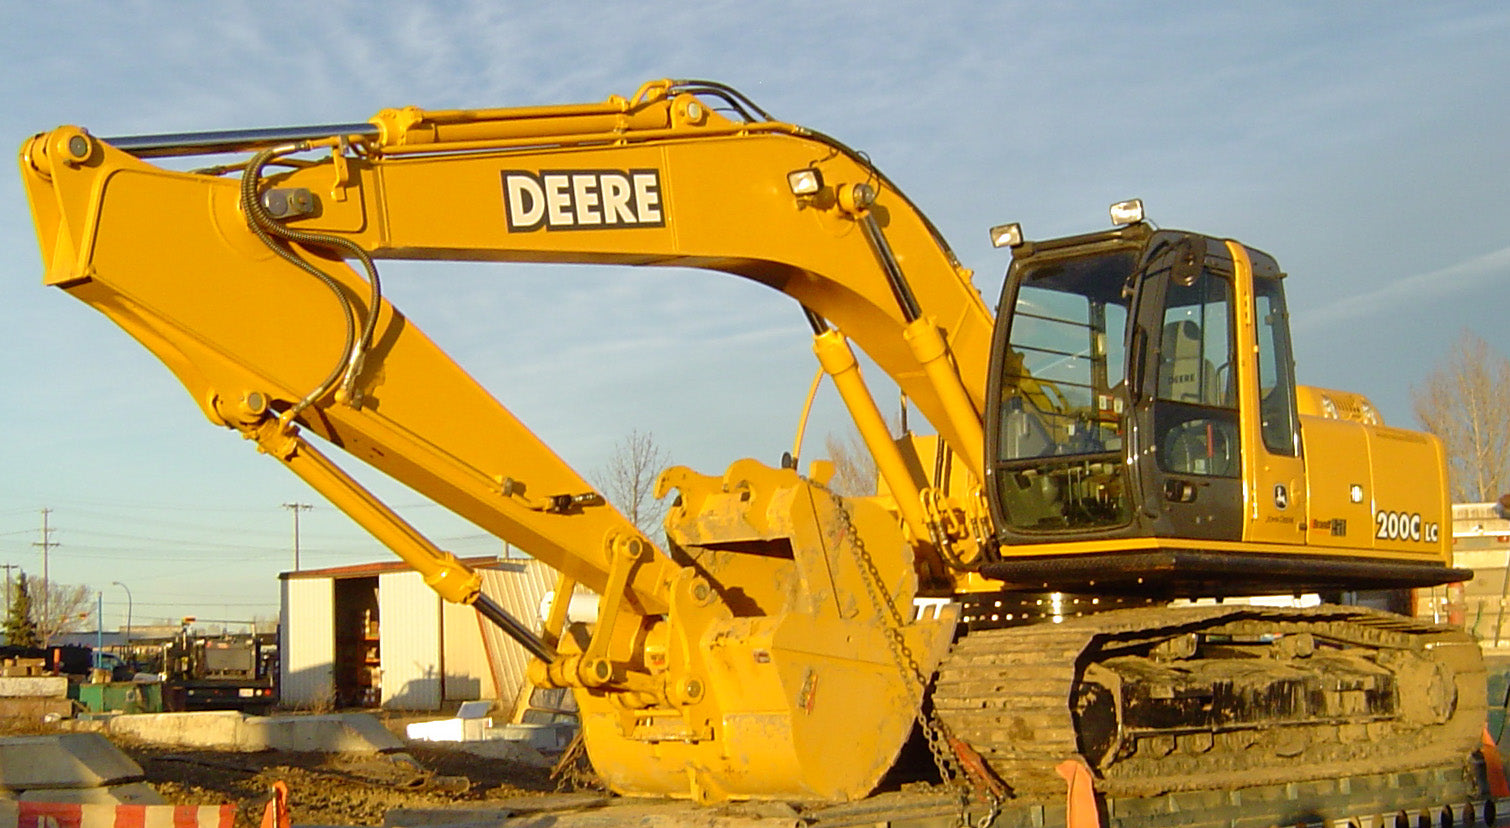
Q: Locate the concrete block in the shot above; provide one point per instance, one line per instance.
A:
(23, 667)
(37, 709)
(334, 733)
(218, 729)
(547, 737)
(68, 760)
(234, 731)
(506, 750)
(449, 730)
(52, 687)
(132, 793)
(474, 709)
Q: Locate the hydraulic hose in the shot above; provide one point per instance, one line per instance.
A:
(728, 94)
(278, 238)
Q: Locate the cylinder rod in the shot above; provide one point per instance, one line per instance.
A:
(242, 140)
(892, 268)
(514, 628)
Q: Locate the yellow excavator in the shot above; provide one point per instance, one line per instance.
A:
(1122, 434)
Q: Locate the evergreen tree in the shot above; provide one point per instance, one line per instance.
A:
(20, 627)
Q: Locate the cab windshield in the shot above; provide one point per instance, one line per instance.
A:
(1064, 395)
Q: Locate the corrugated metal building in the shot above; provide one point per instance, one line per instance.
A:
(375, 635)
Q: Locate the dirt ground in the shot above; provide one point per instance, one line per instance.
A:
(324, 789)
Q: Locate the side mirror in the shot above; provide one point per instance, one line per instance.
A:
(1189, 258)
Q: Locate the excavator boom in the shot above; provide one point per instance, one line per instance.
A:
(649, 176)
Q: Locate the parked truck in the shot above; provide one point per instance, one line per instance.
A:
(226, 672)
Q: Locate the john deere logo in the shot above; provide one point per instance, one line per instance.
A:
(582, 199)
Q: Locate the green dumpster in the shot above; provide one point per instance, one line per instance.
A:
(122, 697)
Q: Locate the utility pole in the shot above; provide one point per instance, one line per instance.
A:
(296, 508)
(130, 659)
(8, 568)
(46, 543)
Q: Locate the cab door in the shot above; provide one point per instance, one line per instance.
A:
(1187, 422)
(1218, 445)
(1275, 470)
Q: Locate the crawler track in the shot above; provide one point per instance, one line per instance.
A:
(1352, 692)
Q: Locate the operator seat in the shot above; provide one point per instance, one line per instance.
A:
(1185, 375)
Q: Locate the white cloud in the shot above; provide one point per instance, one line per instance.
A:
(1477, 279)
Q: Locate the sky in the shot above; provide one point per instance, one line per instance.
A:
(1361, 144)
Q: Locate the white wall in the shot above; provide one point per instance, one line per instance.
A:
(306, 643)
(430, 650)
(468, 675)
(409, 614)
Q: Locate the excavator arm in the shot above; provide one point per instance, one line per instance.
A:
(261, 293)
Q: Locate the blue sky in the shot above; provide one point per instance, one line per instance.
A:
(1362, 144)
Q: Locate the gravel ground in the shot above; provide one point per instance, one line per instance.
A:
(324, 789)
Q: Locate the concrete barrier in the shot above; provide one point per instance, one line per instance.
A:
(218, 729)
(234, 731)
(68, 760)
(51, 687)
(505, 749)
(335, 733)
(63, 815)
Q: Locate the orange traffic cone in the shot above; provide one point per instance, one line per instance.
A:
(1080, 799)
(1494, 767)
(275, 815)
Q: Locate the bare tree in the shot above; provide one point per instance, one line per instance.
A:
(59, 608)
(628, 480)
(854, 469)
(855, 472)
(1466, 402)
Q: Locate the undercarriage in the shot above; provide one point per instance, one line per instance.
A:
(1164, 699)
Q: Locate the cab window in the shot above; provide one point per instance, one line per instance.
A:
(1063, 402)
(1276, 370)
(1198, 435)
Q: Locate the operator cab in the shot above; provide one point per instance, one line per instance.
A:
(1142, 432)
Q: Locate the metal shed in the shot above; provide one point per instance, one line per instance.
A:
(375, 636)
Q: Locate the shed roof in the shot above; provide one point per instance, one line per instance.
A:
(369, 570)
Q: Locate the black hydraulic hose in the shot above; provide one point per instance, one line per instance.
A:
(277, 238)
(271, 233)
(267, 230)
(728, 94)
(514, 628)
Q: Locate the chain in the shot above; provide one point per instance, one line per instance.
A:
(573, 771)
(935, 733)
